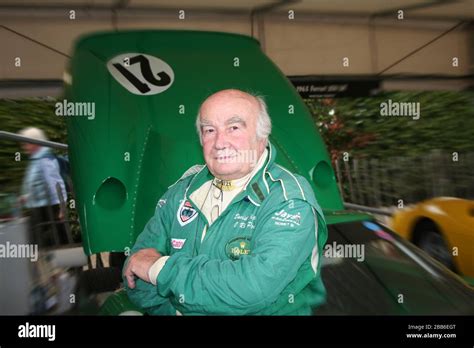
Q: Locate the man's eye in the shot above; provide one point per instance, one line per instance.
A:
(209, 130)
(233, 128)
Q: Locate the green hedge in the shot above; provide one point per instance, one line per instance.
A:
(355, 125)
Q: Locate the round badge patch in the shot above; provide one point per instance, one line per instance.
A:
(237, 247)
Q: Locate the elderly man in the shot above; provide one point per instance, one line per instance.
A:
(238, 236)
(41, 190)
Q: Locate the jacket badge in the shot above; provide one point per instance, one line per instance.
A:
(186, 213)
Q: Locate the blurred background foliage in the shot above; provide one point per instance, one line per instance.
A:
(398, 157)
(351, 125)
(354, 125)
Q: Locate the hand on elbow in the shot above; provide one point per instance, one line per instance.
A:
(139, 265)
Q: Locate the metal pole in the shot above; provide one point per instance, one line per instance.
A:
(22, 139)
(367, 209)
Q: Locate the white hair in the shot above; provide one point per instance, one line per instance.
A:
(34, 133)
(264, 123)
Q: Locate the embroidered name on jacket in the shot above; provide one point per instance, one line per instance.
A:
(244, 221)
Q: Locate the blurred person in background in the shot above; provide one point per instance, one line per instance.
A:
(40, 192)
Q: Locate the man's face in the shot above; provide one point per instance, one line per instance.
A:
(229, 134)
(30, 148)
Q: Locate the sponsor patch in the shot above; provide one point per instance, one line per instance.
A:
(237, 247)
(177, 243)
(282, 218)
(186, 213)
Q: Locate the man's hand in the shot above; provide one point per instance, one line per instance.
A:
(139, 265)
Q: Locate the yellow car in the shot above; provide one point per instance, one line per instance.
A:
(444, 228)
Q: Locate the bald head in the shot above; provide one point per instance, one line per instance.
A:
(255, 103)
(232, 122)
(226, 95)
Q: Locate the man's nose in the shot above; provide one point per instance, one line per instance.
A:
(221, 140)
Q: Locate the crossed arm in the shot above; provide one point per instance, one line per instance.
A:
(204, 285)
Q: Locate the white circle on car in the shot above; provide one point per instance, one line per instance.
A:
(140, 73)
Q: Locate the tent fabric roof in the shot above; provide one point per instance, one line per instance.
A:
(426, 9)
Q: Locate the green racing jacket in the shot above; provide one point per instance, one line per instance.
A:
(260, 257)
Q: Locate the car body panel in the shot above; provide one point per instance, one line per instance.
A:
(394, 278)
